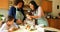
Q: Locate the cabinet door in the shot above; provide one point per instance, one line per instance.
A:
(58, 23)
(55, 23)
(47, 6)
(52, 23)
(4, 4)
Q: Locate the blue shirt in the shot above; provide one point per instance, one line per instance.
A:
(12, 12)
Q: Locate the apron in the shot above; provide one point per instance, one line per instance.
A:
(19, 15)
(41, 20)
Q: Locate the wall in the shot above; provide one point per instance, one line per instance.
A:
(4, 12)
(38, 2)
(54, 7)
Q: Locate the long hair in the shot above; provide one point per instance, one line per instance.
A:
(34, 4)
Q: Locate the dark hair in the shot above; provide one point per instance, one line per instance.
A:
(10, 18)
(59, 14)
(29, 13)
(18, 1)
(34, 4)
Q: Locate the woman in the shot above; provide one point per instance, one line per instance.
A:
(38, 14)
(18, 6)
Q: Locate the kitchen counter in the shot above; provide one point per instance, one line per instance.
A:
(46, 28)
(55, 23)
(52, 29)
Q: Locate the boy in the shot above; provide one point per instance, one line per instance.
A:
(9, 26)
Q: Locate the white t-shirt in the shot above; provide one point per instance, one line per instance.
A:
(4, 27)
(38, 11)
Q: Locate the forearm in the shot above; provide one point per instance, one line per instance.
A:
(35, 16)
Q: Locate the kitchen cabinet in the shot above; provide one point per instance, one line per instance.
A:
(3, 4)
(55, 23)
(46, 6)
(6, 4)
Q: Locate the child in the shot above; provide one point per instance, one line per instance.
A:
(9, 26)
(29, 20)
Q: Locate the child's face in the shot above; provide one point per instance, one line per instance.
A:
(10, 22)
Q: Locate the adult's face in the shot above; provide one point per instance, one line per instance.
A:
(20, 5)
(31, 6)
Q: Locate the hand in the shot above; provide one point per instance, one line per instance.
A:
(10, 30)
(19, 21)
(29, 17)
(15, 29)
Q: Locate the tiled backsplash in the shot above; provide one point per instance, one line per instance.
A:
(4, 12)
